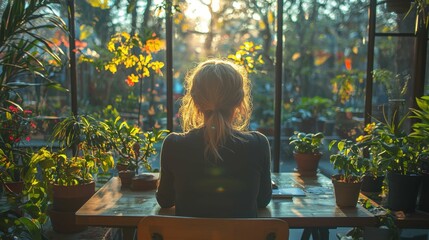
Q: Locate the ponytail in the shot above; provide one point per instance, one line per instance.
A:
(217, 99)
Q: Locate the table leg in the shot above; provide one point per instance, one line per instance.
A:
(128, 233)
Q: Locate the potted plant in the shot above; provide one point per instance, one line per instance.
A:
(374, 167)
(307, 151)
(69, 172)
(311, 110)
(133, 147)
(348, 160)
(420, 132)
(399, 153)
(15, 127)
(23, 52)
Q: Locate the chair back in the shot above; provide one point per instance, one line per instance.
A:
(189, 228)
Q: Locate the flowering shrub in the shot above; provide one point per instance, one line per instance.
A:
(248, 56)
(131, 52)
(16, 125)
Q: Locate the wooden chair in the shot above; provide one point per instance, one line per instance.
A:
(190, 228)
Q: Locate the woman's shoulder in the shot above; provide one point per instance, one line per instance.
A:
(176, 137)
(254, 136)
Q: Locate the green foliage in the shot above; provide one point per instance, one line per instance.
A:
(396, 150)
(24, 50)
(85, 137)
(396, 84)
(385, 218)
(349, 159)
(347, 85)
(421, 127)
(15, 226)
(314, 106)
(132, 146)
(249, 56)
(306, 142)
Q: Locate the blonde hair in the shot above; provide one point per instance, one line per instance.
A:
(217, 98)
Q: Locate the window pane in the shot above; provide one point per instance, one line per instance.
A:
(325, 51)
(393, 71)
(395, 19)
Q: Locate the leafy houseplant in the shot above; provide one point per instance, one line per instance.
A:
(15, 126)
(307, 151)
(133, 147)
(399, 154)
(311, 111)
(348, 160)
(373, 167)
(23, 52)
(420, 131)
(69, 172)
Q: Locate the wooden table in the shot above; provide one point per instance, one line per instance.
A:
(112, 206)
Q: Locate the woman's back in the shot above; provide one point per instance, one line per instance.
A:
(227, 188)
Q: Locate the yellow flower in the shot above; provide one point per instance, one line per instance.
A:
(360, 138)
(111, 46)
(111, 67)
(369, 128)
(125, 35)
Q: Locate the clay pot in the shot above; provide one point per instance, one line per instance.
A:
(66, 201)
(307, 163)
(346, 194)
(121, 167)
(144, 182)
(71, 198)
(64, 222)
(126, 177)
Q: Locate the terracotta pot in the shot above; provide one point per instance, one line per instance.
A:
(64, 222)
(307, 163)
(71, 198)
(144, 182)
(346, 194)
(121, 167)
(126, 177)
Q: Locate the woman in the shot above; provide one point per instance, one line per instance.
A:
(215, 168)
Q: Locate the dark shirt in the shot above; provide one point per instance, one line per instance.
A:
(233, 187)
